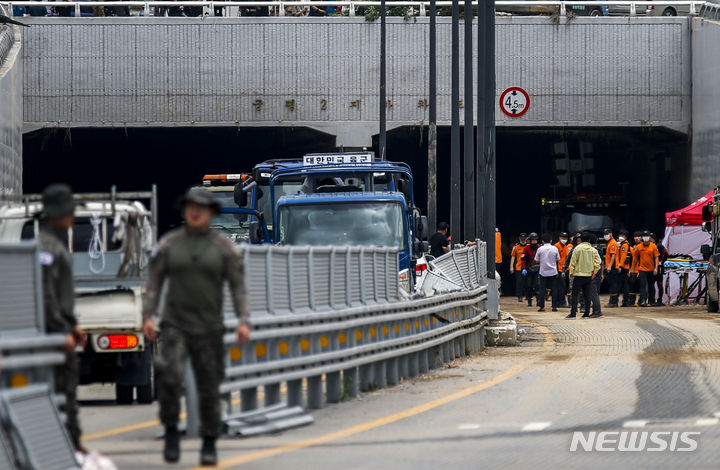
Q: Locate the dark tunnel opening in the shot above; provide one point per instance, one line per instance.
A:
(650, 166)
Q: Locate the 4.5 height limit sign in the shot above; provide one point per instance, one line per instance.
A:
(514, 102)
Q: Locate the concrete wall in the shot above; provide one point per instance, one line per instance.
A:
(248, 71)
(11, 123)
(705, 172)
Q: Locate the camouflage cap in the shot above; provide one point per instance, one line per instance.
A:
(58, 200)
(201, 196)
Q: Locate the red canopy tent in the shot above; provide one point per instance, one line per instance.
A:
(690, 215)
(684, 235)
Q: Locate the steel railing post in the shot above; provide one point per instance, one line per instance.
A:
(333, 387)
(249, 399)
(315, 392)
(561, 12)
(632, 9)
(78, 14)
(352, 9)
(295, 392)
(380, 374)
(272, 394)
(281, 9)
(693, 10)
(366, 376)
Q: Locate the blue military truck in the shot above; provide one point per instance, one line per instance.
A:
(333, 199)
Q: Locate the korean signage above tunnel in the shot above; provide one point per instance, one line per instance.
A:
(514, 102)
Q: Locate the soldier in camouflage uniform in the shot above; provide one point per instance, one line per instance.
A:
(195, 261)
(59, 295)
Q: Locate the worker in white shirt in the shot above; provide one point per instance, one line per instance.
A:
(547, 256)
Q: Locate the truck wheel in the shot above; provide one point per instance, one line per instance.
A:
(145, 394)
(712, 306)
(124, 394)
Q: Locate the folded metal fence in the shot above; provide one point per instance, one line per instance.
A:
(31, 432)
(330, 322)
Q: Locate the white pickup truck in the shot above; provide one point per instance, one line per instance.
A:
(110, 243)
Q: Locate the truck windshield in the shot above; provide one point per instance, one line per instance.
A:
(233, 226)
(354, 224)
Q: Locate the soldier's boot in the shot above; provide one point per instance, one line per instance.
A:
(613, 301)
(631, 300)
(172, 444)
(208, 454)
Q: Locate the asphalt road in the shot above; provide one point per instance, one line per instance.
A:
(634, 378)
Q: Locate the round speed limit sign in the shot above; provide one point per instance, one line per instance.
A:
(514, 102)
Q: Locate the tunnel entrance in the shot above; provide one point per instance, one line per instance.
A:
(92, 159)
(650, 167)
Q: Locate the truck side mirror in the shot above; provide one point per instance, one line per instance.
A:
(707, 227)
(422, 227)
(707, 212)
(240, 195)
(421, 246)
(706, 251)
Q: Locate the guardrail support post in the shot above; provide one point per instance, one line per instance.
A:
(78, 14)
(352, 10)
(392, 371)
(366, 377)
(424, 360)
(315, 392)
(403, 366)
(350, 382)
(272, 394)
(248, 399)
(333, 386)
(632, 9)
(413, 364)
(294, 393)
(693, 11)
(380, 374)
(281, 10)
(192, 421)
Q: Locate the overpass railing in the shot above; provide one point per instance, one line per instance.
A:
(211, 8)
(710, 10)
(7, 38)
(330, 322)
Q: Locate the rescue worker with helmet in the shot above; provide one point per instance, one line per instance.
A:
(623, 263)
(564, 246)
(646, 261)
(611, 270)
(516, 265)
(531, 268)
(195, 261)
(58, 216)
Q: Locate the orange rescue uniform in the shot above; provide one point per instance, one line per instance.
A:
(612, 249)
(517, 252)
(564, 250)
(498, 244)
(621, 261)
(646, 256)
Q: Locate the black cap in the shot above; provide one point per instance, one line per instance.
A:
(607, 230)
(201, 196)
(624, 232)
(652, 235)
(58, 200)
(523, 235)
(533, 236)
(563, 234)
(646, 233)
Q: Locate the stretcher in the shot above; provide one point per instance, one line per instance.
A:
(683, 268)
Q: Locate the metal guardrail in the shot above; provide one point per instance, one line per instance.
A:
(28, 415)
(352, 327)
(27, 352)
(414, 7)
(710, 10)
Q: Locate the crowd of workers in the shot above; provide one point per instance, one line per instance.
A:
(573, 270)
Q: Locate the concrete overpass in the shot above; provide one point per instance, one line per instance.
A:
(322, 73)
